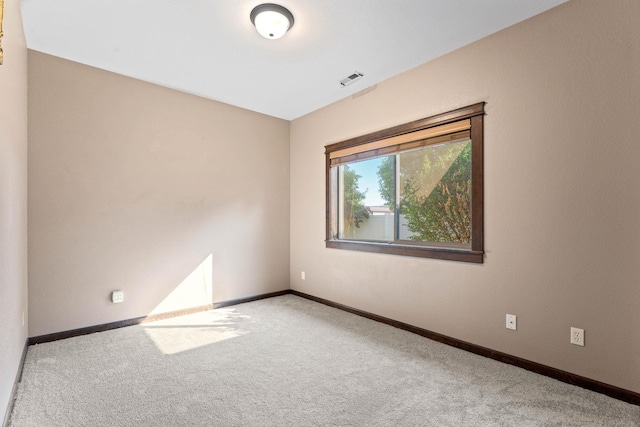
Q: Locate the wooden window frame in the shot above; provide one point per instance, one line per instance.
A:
(386, 139)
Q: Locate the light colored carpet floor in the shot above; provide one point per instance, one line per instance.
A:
(287, 361)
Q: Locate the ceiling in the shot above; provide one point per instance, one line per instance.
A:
(211, 49)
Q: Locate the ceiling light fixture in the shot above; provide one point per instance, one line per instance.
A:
(271, 20)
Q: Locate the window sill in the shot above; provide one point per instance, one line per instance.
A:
(449, 254)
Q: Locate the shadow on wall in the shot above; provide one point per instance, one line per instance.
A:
(195, 290)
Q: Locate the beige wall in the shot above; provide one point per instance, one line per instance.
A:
(562, 214)
(177, 200)
(13, 200)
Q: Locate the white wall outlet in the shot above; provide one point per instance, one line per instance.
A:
(117, 296)
(22, 317)
(302, 275)
(577, 336)
(511, 321)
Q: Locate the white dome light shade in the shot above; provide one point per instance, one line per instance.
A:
(271, 20)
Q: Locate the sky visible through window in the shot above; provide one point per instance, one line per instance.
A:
(368, 171)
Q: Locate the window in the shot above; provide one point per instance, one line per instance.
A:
(414, 189)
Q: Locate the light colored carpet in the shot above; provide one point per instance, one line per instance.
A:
(287, 361)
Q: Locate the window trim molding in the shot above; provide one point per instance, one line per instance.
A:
(473, 112)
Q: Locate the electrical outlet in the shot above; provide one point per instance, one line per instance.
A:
(511, 321)
(577, 336)
(302, 275)
(117, 296)
(22, 317)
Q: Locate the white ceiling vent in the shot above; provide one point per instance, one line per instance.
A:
(352, 78)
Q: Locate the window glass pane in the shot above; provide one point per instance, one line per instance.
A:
(365, 206)
(435, 194)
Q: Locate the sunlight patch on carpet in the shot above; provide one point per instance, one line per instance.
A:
(180, 334)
